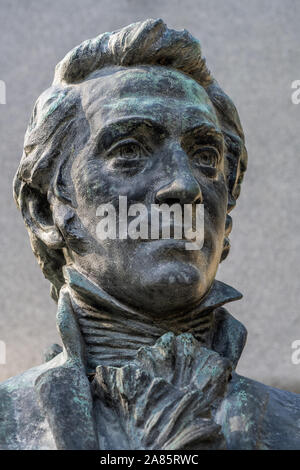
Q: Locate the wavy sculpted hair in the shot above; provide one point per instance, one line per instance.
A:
(49, 139)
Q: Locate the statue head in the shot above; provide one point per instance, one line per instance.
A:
(132, 113)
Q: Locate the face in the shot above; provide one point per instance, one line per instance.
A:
(154, 138)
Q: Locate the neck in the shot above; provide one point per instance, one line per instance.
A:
(113, 332)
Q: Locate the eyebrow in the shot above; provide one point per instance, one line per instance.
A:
(207, 131)
(106, 135)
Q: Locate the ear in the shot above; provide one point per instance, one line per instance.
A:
(38, 217)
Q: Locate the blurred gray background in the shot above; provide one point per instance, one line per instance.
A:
(252, 48)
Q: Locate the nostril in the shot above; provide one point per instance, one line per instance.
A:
(180, 191)
(198, 200)
(170, 201)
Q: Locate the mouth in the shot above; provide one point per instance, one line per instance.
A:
(169, 232)
(163, 246)
(175, 236)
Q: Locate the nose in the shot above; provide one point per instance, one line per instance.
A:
(183, 189)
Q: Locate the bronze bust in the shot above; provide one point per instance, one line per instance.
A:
(149, 351)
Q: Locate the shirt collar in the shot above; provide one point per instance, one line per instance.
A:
(219, 329)
(219, 294)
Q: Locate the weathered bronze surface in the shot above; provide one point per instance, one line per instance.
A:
(149, 351)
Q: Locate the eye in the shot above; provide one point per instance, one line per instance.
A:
(207, 156)
(129, 150)
(128, 157)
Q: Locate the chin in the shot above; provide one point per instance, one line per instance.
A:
(174, 285)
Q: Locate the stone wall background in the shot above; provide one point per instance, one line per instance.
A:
(253, 50)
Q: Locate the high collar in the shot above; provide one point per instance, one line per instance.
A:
(219, 294)
(114, 331)
(114, 325)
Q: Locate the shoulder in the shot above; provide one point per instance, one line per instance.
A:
(22, 422)
(257, 416)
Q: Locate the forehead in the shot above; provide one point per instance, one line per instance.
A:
(158, 93)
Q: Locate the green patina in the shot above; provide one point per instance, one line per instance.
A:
(8, 428)
(58, 97)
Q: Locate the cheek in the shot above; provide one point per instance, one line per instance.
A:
(220, 201)
(96, 184)
(215, 207)
(90, 186)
